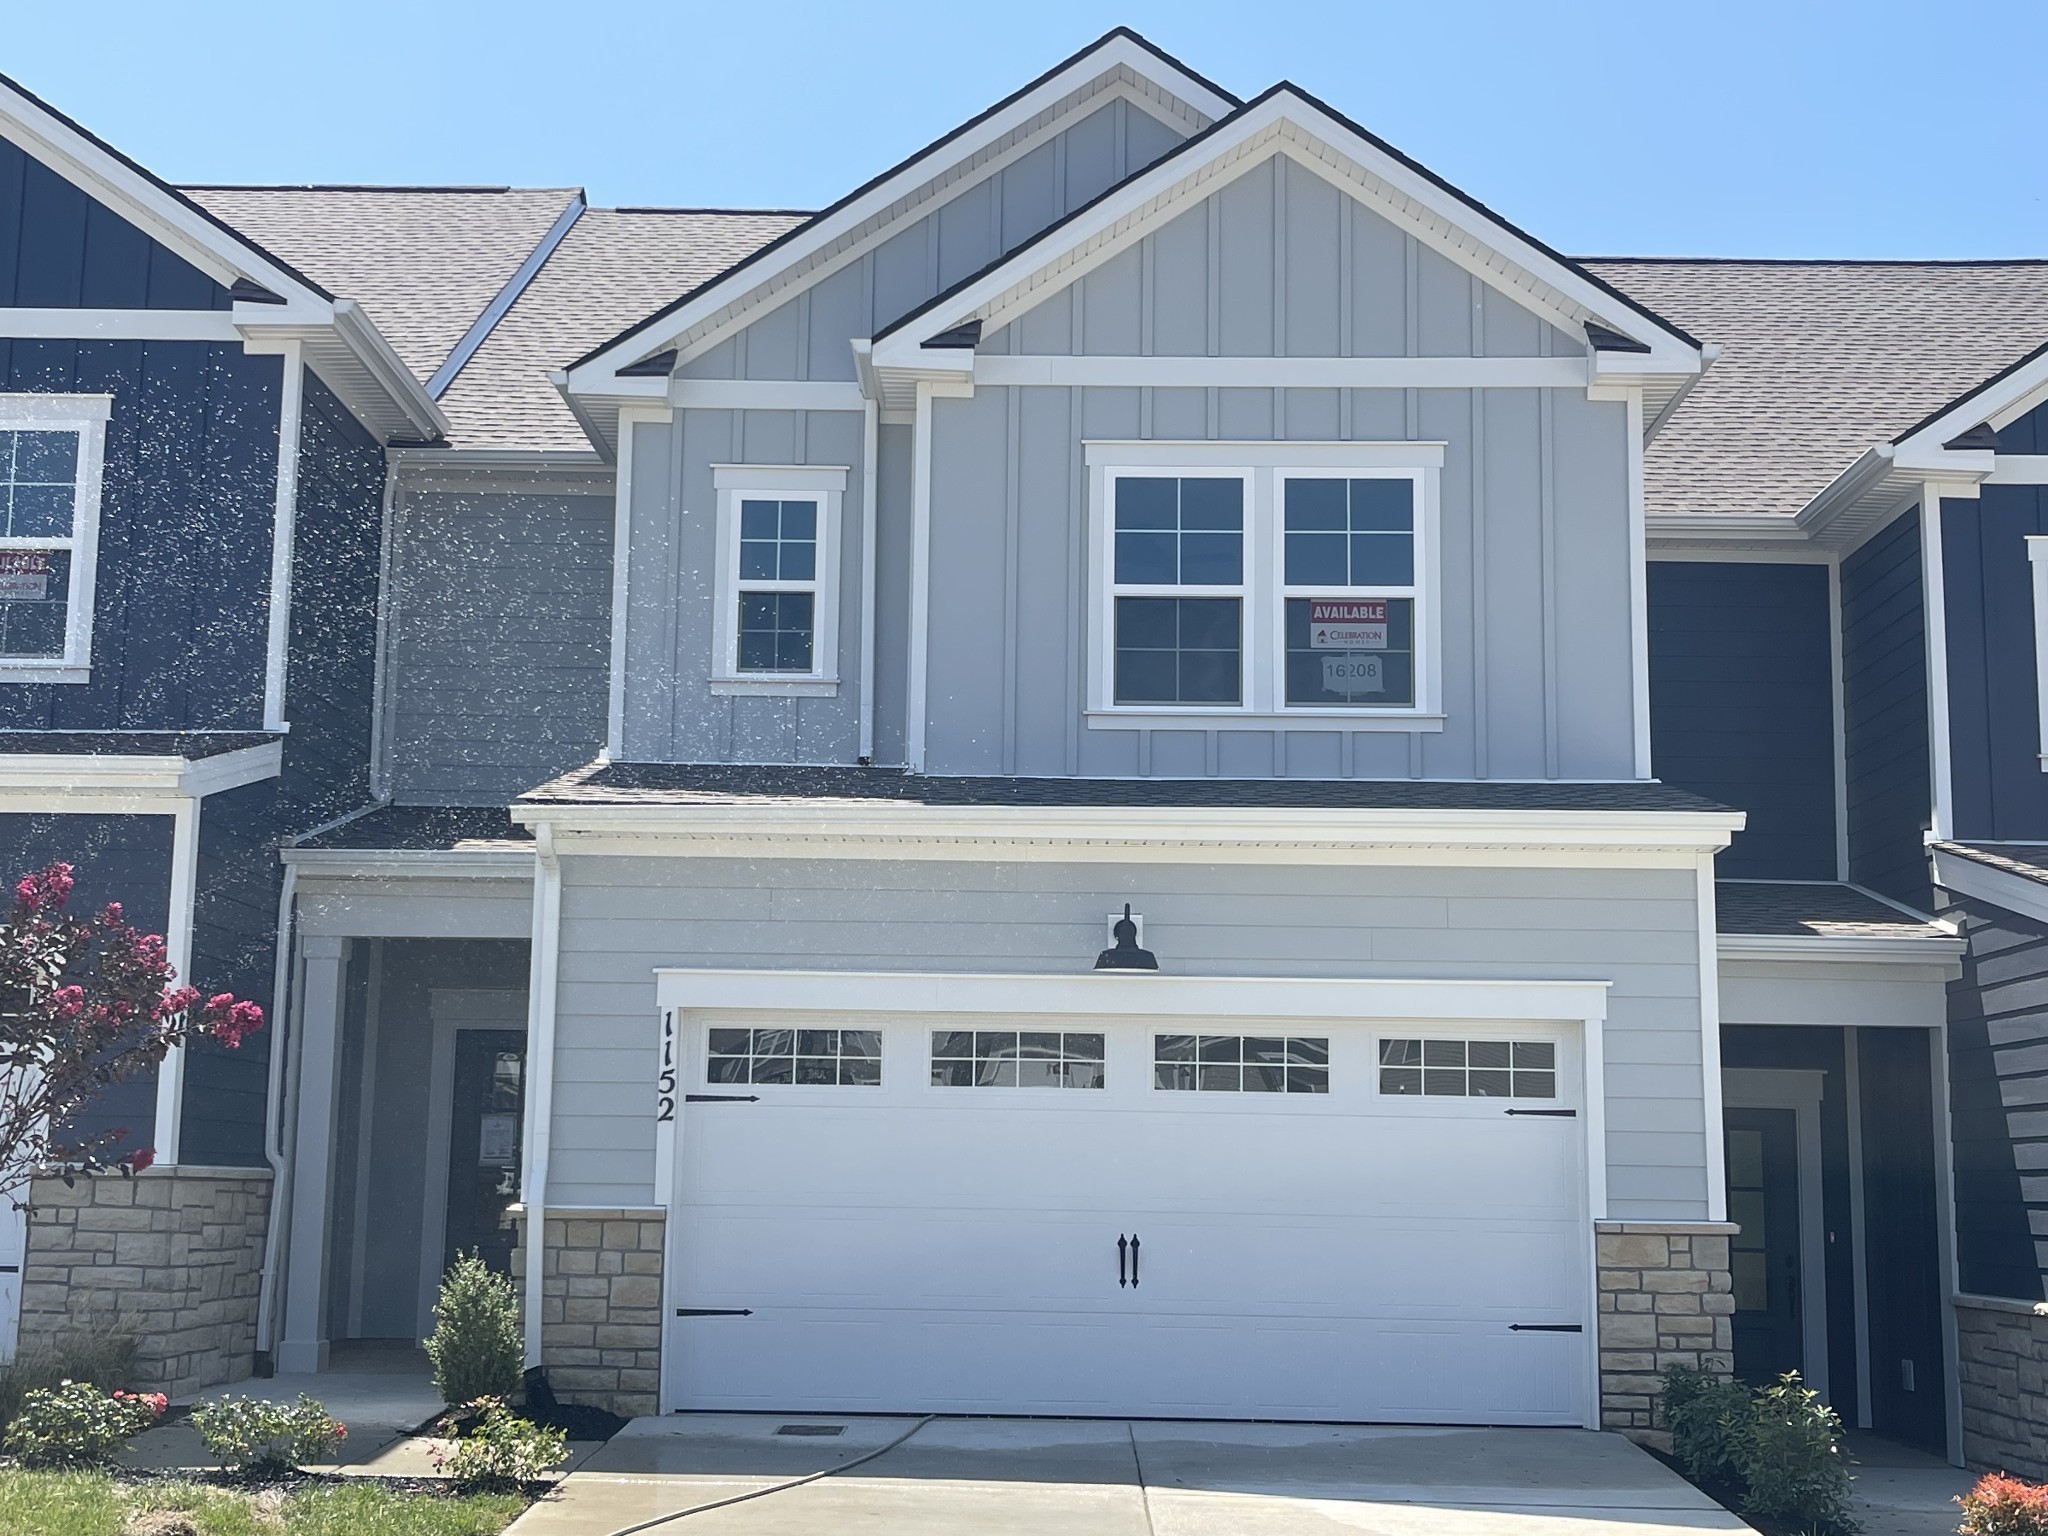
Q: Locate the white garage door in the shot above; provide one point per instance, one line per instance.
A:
(1125, 1217)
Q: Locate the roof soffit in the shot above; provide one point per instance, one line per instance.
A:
(1287, 122)
(1120, 67)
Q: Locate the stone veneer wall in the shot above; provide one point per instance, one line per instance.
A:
(600, 1305)
(2004, 1362)
(172, 1255)
(1666, 1298)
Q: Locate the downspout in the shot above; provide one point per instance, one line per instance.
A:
(540, 1071)
(273, 1114)
(871, 523)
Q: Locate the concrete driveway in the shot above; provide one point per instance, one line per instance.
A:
(1046, 1477)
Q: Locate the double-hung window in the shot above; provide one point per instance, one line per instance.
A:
(778, 579)
(51, 449)
(1263, 583)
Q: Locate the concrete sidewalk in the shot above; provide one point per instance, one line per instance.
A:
(1011, 1477)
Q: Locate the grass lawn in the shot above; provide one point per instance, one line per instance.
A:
(94, 1504)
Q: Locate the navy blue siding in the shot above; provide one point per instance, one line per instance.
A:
(1994, 719)
(113, 858)
(331, 683)
(1998, 1099)
(2027, 435)
(180, 623)
(1742, 706)
(1884, 708)
(59, 249)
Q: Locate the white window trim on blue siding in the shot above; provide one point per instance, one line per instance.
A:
(2037, 568)
(87, 416)
(1265, 466)
(824, 484)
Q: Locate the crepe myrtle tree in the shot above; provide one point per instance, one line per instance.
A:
(85, 1002)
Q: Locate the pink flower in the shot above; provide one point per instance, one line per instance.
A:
(141, 1158)
(46, 889)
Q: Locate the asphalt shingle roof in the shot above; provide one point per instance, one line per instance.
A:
(614, 267)
(1812, 909)
(426, 828)
(682, 784)
(1819, 362)
(423, 262)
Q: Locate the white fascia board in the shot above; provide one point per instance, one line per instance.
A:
(1997, 404)
(597, 375)
(1858, 949)
(411, 863)
(1260, 835)
(118, 325)
(352, 357)
(231, 770)
(2001, 888)
(158, 212)
(1286, 123)
(96, 773)
(1139, 994)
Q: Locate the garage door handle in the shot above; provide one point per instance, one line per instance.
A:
(1546, 1328)
(1123, 1248)
(1553, 1114)
(1134, 1260)
(721, 1098)
(714, 1311)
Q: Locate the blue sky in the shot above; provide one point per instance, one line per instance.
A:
(1715, 127)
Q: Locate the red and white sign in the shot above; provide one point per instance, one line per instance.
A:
(1347, 624)
(24, 575)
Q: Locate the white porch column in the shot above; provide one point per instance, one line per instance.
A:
(304, 1345)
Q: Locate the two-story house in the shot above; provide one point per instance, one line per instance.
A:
(1509, 697)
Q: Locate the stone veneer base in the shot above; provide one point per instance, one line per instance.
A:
(600, 1304)
(1666, 1298)
(173, 1255)
(2003, 1357)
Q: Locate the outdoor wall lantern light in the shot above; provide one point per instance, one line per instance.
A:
(1124, 954)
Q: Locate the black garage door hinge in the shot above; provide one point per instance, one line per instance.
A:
(721, 1098)
(1546, 1328)
(1552, 1114)
(714, 1311)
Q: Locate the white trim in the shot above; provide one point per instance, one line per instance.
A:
(2019, 469)
(1859, 1254)
(1103, 372)
(275, 1140)
(170, 1072)
(870, 525)
(411, 863)
(2037, 568)
(86, 415)
(1801, 1092)
(765, 395)
(1838, 700)
(830, 240)
(1710, 1044)
(119, 324)
(538, 1130)
(284, 520)
(322, 983)
(1638, 588)
(1847, 948)
(1207, 717)
(1967, 877)
(114, 783)
(825, 488)
(383, 702)
(622, 558)
(1935, 607)
(445, 1026)
(919, 661)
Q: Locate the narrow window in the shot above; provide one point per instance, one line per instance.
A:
(778, 585)
(1348, 557)
(778, 579)
(50, 452)
(1178, 583)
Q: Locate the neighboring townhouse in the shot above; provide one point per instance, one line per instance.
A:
(1510, 698)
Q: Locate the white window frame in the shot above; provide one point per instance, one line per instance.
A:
(1264, 466)
(823, 484)
(87, 416)
(2037, 568)
(1241, 590)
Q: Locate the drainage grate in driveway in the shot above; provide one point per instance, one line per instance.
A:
(811, 1429)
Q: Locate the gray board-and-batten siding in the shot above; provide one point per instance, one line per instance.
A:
(623, 917)
(1536, 622)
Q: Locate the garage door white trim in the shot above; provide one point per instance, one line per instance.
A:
(1579, 1005)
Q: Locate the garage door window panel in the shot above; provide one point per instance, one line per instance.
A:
(1011, 1058)
(1476, 1069)
(1241, 1063)
(822, 1058)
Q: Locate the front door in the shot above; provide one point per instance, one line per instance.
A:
(483, 1143)
(1763, 1200)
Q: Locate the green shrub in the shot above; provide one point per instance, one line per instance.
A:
(100, 1348)
(1780, 1444)
(250, 1435)
(502, 1451)
(476, 1347)
(2004, 1506)
(76, 1424)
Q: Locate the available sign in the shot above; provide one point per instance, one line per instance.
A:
(24, 575)
(1347, 624)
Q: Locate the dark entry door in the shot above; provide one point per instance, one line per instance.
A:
(483, 1143)
(1763, 1199)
